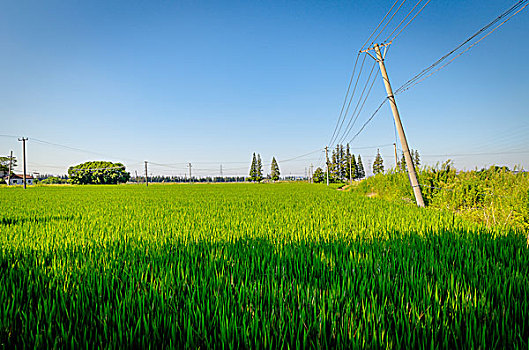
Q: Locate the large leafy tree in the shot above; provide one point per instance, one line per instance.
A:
(378, 164)
(4, 164)
(274, 169)
(98, 172)
(318, 176)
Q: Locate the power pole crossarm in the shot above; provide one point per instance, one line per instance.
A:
(400, 129)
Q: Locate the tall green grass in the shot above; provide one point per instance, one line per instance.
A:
(248, 265)
(495, 197)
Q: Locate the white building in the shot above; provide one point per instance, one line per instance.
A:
(19, 180)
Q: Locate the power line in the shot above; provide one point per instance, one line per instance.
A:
(381, 21)
(388, 22)
(411, 20)
(357, 111)
(516, 8)
(345, 98)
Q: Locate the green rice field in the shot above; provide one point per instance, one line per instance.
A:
(287, 265)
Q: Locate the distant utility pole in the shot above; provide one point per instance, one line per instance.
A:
(190, 166)
(221, 170)
(24, 139)
(10, 167)
(327, 160)
(311, 173)
(136, 171)
(400, 129)
(146, 175)
(396, 159)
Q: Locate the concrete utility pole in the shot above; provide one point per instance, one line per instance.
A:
(146, 175)
(311, 173)
(136, 171)
(190, 166)
(400, 129)
(396, 159)
(24, 139)
(327, 160)
(221, 170)
(10, 168)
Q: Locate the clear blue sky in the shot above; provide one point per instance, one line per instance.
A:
(211, 82)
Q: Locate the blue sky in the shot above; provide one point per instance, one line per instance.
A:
(211, 82)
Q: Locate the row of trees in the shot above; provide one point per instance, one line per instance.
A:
(343, 166)
(378, 164)
(256, 169)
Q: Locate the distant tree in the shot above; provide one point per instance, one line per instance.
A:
(416, 159)
(274, 168)
(347, 161)
(354, 167)
(4, 164)
(318, 176)
(259, 168)
(402, 163)
(360, 167)
(342, 161)
(52, 180)
(98, 172)
(378, 164)
(253, 169)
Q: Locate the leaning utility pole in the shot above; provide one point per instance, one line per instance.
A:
(146, 175)
(10, 168)
(24, 139)
(327, 160)
(400, 129)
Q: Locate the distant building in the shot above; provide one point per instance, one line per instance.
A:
(19, 179)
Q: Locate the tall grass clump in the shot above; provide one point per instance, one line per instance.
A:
(494, 196)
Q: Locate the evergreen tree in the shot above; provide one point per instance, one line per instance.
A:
(259, 168)
(354, 167)
(348, 162)
(402, 163)
(360, 167)
(333, 169)
(341, 163)
(253, 169)
(416, 159)
(274, 168)
(378, 164)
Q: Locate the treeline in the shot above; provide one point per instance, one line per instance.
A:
(181, 179)
(493, 196)
(343, 166)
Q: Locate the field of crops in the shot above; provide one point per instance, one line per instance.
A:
(250, 265)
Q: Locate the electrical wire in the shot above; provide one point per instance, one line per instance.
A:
(411, 20)
(516, 8)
